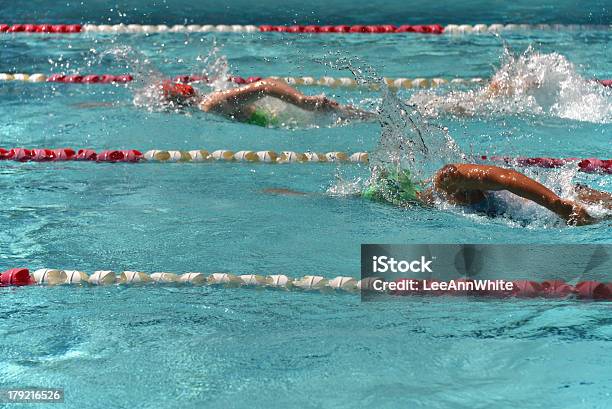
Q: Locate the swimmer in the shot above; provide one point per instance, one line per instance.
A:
(240, 103)
(472, 186)
(468, 103)
(532, 83)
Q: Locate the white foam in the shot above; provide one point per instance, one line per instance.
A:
(531, 83)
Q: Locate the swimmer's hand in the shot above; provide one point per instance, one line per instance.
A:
(574, 213)
(323, 104)
(580, 216)
(319, 103)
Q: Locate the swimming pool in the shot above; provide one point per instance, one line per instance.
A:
(218, 347)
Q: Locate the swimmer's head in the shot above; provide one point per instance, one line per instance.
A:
(182, 94)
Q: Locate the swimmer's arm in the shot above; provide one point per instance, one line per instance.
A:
(464, 177)
(250, 93)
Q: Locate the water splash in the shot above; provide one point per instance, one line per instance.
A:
(146, 86)
(215, 67)
(147, 78)
(407, 141)
(532, 83)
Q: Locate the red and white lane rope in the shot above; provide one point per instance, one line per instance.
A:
(308, 29)
(589, 290)
(588, 165)
(67, 79)
(334, 82)
(200, 155)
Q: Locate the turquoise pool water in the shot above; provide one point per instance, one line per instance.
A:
(213, 347)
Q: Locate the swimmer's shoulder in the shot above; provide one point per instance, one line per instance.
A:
(446, 175)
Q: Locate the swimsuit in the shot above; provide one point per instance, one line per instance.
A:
(492, 205)
(396, 188)
(262, 117)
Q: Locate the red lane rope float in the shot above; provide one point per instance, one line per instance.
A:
(375, 29)
(67, 154)
(90, 79)
(16, 277)
(41, 28)
(588, 165)
(586, 290)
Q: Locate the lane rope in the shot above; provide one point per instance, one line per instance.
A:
(326, 81)
(67, 79)
(591, 290)
(200, 155)
(588, 165)
(307, 29)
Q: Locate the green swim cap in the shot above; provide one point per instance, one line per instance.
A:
(396, 188)
(261, 117)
